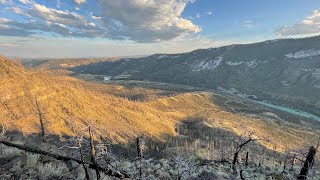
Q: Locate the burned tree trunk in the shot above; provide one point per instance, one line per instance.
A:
(308, 163)
(285, 163)
(107, 171)
(236, 154)
(234, 162)
(40, 114)
(82, 161)
(293, 161)
(247, 159)
(139, 144)
(140, 147)
(241, 175)
(93, 154)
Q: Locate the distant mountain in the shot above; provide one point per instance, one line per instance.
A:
(285, 71)
(50, 64)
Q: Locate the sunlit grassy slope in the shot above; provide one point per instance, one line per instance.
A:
(68, 103)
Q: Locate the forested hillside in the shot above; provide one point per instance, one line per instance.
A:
(285, 71)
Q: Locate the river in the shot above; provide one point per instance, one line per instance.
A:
(289, 110)
(266, 104)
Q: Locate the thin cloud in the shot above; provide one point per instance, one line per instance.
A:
(96, 17)
(5, 2)
(79, 1)
(26, 1)
(17, 11)
(248, 24)
(199, 15)
(310, 25)
(7, 45)
(59, 4)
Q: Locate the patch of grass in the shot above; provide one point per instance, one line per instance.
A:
(277, 176)
(49, 170)
(8, 152)
(32, 160)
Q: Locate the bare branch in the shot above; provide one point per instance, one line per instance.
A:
(107, 171)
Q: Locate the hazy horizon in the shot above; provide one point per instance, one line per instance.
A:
(146, 55)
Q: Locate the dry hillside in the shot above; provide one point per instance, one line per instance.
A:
(68, 103)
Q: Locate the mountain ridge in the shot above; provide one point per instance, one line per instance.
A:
(285, 71)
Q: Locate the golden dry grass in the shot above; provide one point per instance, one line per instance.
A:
(69, 103)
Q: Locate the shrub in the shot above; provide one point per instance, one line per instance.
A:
(32, 160)
(8, 152)
(49, 170)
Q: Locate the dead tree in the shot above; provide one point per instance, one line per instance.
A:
(93, 153)
(247, 159)
(40, 114)
(140, 147)
(241, 175)
(107, 171)
(239, 148)
(139, 143)
(285, 163)
(79, 142)
(308, 163)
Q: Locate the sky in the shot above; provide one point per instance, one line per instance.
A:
(108, 28)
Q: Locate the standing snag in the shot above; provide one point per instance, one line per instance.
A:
(93, 154)
(239, 148)
(308, 163)
(79, 142)
(247, 159)
(40, 114)
(140, 147)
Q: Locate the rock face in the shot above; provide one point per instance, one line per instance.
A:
(303, 54)
(207, 65)
(271, 69)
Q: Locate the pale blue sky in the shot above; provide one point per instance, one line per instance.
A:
(103, 28)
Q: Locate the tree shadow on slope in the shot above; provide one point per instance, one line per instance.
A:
(194, 138)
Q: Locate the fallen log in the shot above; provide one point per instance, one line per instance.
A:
(107, 171)
(211, 162)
